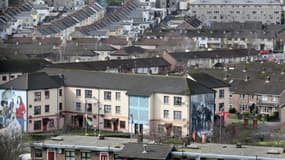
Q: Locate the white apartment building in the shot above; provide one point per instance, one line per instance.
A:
(265, 11)
(138, 104)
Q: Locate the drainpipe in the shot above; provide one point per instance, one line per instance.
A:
(57, 116)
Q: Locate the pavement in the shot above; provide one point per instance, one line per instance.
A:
(270, 130)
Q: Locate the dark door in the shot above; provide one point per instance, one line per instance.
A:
(45, 122)
(136, 128)
(141, 128)
(80, 121)
(115, 124)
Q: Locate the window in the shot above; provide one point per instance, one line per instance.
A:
(78, 106)
(221, 93)
(118, 96)
(177, 115)
(47, 94)
(37, 125)
(122, 124)
(37, 96)
(88, 107)
(69, 155)
(78, 92)
(107, 109)
(177, 131)
(166, 114)
(12, 76)
(37, 110)
(85, 156)
(51, 123)
(107, 95)
(118, 109)
(274, 99)
(177, 100)
(264, 98)
(4, 78)
(60, 106)
(88, 93)
(60, 92)
(107, 123)
(221, 106)
(38, 153)
(166, 99)
(46, 108)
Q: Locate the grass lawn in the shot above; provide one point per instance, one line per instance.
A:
(279, 143)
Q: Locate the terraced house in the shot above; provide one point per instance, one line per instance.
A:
(65, 26)
(139, 104)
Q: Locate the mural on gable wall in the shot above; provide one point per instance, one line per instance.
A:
(202, 114)
(13, 109)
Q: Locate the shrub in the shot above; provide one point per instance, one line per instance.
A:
(246, 114)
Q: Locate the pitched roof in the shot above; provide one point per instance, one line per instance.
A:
(193, 21)
(133, 83)
(257, 86)
(70, 20)
(117, 64)
(118, 15)
(12, 12)
(33, 81)
(208, 80)
(130, 50)
(153, 151)
(23, 66)
(184, 56)
(256, 73)
(197, 88)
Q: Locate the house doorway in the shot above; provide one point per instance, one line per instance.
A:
(45, 123)
(51, 155)
(115, 124)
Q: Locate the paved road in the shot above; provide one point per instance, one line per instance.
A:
(270, 130)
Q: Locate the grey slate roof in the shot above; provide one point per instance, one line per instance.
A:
(22, 66)
(209, 80)
(193, 21)
(257, 86)
(118, 15)
(33, 81)
(256, 83)
(153, 151)
(184, 56)
(117, 64)
(11, 13)
(70, 20)
(134, 84)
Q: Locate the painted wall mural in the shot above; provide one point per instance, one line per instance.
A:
(13, 108)
(202, 114)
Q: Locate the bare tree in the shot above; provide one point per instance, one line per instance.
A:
(11, 145)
